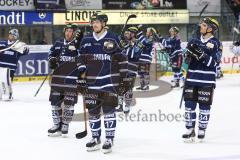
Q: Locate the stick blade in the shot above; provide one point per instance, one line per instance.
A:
(81, 135)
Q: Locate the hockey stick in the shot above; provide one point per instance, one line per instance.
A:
(124, 27)
(10, 46)
(83, 133)
(184, 85)
(41, 85)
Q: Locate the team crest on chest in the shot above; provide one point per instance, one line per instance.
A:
(210, 45)
(109, 46)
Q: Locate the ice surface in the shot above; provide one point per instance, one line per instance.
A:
(25, 121)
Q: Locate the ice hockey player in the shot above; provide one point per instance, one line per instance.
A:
(203, 54)
(133, 50)
(145, 59)
(8, 63)
(101, 97)
(173, 47)
(63, 51)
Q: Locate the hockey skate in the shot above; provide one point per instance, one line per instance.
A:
(107, 146)
(175, 84)
(145, 88)
(201, 135)
(139, 88)
(119, 108)
(64, 130)
(93, 145)
(55, 131)
(189, 136)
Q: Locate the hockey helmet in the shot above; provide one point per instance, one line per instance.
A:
(99, 16)
(70, 25)
(174, 29)
(213, 23)
(133, 29)
(153, 30)
(14, 33)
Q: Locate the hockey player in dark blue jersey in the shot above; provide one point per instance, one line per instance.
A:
(173, 46)
(102, 81)
(63, 51)
(133, 49)
(146, 58)
(203, 54)
(10, 52)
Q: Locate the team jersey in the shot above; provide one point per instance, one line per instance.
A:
(9, 58)
(173, 46)
(64, 51)
(202, 73)
(133, 53)
(102, 73)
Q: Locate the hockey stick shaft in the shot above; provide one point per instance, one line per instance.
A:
(41, 85)
(180, 105)
(83, 133)
(129, 17)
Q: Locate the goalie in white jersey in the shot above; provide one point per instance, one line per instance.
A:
(10, 52)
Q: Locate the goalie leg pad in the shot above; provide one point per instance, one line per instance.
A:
(5, 83)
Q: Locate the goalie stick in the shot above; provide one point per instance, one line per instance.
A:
(10, 47)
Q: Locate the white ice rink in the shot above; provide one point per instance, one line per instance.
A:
(25, 121)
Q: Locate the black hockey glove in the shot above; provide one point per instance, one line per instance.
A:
(25, 50)
(53, 63)
(78, 35)
(194, 51)
(237, 43)
(82, 83)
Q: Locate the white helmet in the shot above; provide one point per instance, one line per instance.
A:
(15, 33)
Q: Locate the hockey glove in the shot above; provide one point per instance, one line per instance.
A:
(78, 35)
(82, 83)
(25, 50)
(194, 51)
(53, 63)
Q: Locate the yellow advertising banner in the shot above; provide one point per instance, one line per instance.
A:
(118, 17)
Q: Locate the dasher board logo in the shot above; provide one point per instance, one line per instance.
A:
(25, 18)
(16, 5)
